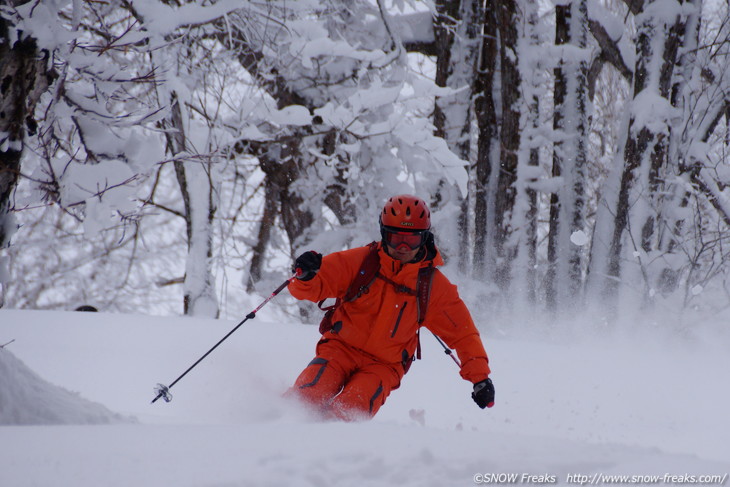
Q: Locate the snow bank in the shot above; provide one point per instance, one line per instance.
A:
(27, 399)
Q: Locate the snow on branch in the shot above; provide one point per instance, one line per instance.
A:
(163, 19)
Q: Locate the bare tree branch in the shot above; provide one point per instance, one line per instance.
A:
(610, 51)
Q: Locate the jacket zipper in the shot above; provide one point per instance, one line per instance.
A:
(397, 322)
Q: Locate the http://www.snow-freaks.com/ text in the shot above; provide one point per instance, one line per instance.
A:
(599, 479)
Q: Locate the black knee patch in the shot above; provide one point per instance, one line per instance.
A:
(323, 365)
(377, 394)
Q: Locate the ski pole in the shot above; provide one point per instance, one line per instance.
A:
(447, 350)
(163, 391)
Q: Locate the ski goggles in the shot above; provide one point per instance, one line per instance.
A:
(399, 238)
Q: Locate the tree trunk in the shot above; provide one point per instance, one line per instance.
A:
(444, 26)
(196, 183)
(268, 219)
(509, 140)
(24, 77)
(336, 198)
(564, 276)
(281, 166)
(281, 162)
(562, 37)
(645, 153)
(457, 28)
(533, 83)
(484, 261)
(684, 99)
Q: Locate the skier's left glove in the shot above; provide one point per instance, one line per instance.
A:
(483, 394)
(307, 265)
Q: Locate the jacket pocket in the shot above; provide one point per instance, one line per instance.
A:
(397, 321)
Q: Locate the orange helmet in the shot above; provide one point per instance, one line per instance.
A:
(406, 212)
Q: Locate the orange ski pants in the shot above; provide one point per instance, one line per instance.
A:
(345, 383)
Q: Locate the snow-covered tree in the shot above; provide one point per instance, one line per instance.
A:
(200, 145)
(570, 123)
(641, 220)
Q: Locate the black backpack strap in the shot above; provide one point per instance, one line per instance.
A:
(359, 286)
(423, 290)
(399, 288)
(423, 293)
(331, 307)
(365, 275)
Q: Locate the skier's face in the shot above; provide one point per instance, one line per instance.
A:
(403, 253)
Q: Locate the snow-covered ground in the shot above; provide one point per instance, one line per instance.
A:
(641, 405)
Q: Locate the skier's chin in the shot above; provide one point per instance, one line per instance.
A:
(405, 256)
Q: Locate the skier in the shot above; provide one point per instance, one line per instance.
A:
(370, 339)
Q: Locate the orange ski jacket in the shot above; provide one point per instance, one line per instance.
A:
(383, 322)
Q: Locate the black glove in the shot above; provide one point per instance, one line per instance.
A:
(307, 265)
(483, 394)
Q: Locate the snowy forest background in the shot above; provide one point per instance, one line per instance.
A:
(169, 156)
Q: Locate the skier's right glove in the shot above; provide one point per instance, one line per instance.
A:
(307, 265)
(483, 394)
